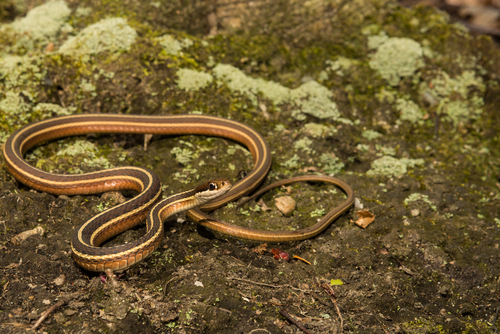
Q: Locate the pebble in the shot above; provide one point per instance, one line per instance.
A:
(286, 205)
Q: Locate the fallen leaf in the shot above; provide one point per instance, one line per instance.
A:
(365, 218)
(288, 189)
(60, 280)
(336, 282)
(310, 169)
(263, 205)
(280, 255)
(147, 139)
(261, 249)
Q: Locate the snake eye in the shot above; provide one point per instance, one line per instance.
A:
(212, 186)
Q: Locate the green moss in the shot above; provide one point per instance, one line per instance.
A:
(397, 58)
(392, 166)
(111, 34)
(191, 80)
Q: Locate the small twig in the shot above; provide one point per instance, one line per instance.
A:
(495, 321)
(258, 330)
(166, 284)
(111, 277)
(269, 285)
(53, 308)
(284, 313)
(330, 291)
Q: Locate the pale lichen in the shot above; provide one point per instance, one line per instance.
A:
(319, 130)
(409, 111)
(309, 98)
(111, 34)
(191, 80)
(293, 162)
(330, 164)
(370, 134)
(460, 99)
(184, 156)
(172, 46)
(391, 166)
(46, 110)
(17, 72)
(397, 58)
(304, 144)
(39, 26)
(89, 150)
(314, 99)
(420, 197)
(14, 109)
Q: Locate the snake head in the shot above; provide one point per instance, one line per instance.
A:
(212, 189)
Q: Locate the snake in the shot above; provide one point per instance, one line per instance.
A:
(148, 204)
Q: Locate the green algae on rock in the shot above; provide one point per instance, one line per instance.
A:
(110, 34)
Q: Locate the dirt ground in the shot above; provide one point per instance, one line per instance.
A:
(417, 141)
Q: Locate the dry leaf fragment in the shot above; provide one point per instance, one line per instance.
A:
(280, 255)
(60, 280)
(365, 218)
(263, 205)
(288, 189)
(50, 47)
(310, 169)
(261, 249)
(147, 139)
